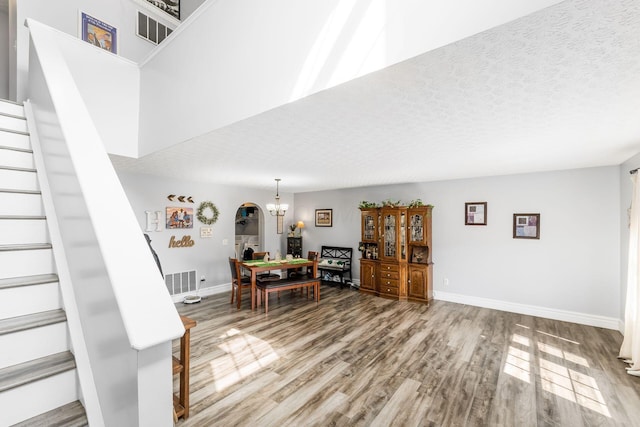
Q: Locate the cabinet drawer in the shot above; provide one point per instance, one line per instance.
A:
(389, 275)
(388, 283)
(385, 268)
(388, 289)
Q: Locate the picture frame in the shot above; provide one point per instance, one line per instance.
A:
(526, 226)
(172, 7)
(324, 217)
(98, 33)
(179, 217)
(475, 213)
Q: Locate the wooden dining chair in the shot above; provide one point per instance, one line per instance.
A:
(237, 281)
(264, 276)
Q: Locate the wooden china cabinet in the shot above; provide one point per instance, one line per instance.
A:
(396, 253)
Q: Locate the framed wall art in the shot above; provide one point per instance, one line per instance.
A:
(526, 226)
(172, 7)
(324, 217)
(98, 33)
(475, 213)
(179, 217)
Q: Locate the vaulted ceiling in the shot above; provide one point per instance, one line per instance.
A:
(557, 89)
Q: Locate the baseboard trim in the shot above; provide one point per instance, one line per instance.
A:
(532, 310)
(204, 291)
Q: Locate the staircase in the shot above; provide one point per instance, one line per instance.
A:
(38, 380)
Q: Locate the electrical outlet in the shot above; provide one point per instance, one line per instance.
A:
(202, 278)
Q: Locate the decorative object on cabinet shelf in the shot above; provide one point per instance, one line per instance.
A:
(415, 203)
(179, 217)
(292, 230)
(475, 213)
(526, 226)
(420, 254)
(366, 205)
(203, 216)
(324, 217)
(390, 203)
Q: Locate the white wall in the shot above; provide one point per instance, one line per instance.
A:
(574, 267)
(209, 255)
(4, 54)
(64, 16)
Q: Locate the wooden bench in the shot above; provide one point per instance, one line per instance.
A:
(300, 282)
(340, 264)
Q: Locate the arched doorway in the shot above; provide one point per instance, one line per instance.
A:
(249, 229)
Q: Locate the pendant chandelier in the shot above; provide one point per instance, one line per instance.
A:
(277, 209)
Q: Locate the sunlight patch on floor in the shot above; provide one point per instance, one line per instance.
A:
(245, 355)
(569, 384)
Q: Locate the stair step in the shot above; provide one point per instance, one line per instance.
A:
(34, 370)
(13, 148)
(16, 282)
(70, 415)
(30, 321)
(26, 263)
(19, 177)
(25, 247)
(14, 123)
(21, 202)
(47, 384)
(21, 296)
(23, 230)
(10, 107)
(16, 158)
(14, 140)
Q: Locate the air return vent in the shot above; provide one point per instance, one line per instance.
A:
(152, 30)
(181, 283)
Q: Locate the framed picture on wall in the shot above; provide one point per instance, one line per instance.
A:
(526, 226)
(98, 33)
(475, 213)
(324, 217)
(172, 7)
(179, 217)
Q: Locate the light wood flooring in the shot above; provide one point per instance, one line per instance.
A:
(358, 360)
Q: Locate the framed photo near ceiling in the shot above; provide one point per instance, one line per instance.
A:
(98, 33)
(324, 217)
(475, 213)
(526, 226)
(172, 7)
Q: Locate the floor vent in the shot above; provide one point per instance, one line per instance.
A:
(181, 283)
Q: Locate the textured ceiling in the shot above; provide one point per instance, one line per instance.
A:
(558, 89)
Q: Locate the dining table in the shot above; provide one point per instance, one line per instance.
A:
(259, 266)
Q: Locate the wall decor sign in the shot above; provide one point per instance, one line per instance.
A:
(98, 33)
(475, 213)
(172, 7)
(183, 199)
(526, 226)
(155, 222)
(206, 232)
(179, 217)
(185, 242)
(324, 217)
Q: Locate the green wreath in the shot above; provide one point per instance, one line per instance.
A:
(203, 218)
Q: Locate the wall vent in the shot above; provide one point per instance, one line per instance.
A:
(152, 30)
(181, 283)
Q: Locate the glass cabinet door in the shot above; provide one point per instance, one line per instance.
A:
(369, 220)
(390, 248)
(416, 228)
(403, 236)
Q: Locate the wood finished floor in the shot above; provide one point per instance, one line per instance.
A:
(357, 360)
